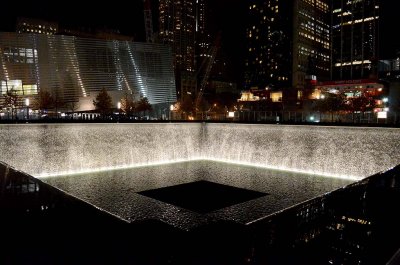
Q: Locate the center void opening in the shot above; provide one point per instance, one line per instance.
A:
(202, 196)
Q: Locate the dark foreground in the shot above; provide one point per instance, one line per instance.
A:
(353, 225)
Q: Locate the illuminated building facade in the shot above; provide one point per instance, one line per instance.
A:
(37, 26)
(354, 39)
(40, 26)
(311, 41)
(76, 69)
(373, 92)
(203, 43)
(287, 41)
(177, 28)
(200, 16)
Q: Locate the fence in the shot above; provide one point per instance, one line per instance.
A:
(298, 117)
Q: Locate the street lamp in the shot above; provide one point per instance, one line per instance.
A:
(27, 108)
(171, 108)
(119, 109)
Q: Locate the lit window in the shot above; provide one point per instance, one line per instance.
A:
(276, 96)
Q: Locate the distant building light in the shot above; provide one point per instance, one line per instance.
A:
(382, 115)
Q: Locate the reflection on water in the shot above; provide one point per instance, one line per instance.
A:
(116, 191)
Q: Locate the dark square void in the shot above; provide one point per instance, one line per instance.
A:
(202, 196)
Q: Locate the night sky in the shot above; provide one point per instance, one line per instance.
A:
(229, 16)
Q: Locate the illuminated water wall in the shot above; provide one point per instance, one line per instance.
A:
(335, 151)
(58, 148)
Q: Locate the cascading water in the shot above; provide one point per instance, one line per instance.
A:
(347, 152)
(51, 149)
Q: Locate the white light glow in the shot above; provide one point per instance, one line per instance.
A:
(382, 115)
(280, 168)
(118, 167)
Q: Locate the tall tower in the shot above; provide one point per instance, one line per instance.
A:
(177, 28)
(287, 40)
(311, 41)
(148, 21)
(354, 39)
(200, 16)
(203, 40)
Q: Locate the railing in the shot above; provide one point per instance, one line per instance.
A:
(294, 117)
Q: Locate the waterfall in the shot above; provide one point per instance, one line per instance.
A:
(51, 149)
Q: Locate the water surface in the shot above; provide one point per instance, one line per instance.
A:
(116, 191)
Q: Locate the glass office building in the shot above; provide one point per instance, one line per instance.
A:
(287, 41)
(355, 36)
(76, 69)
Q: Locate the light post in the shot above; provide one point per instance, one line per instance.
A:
(385, 107)
(171, 108)
(322, 97)
(119, 109)
(27, 108)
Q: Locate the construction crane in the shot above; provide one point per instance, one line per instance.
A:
(213, 54)
(148, 21)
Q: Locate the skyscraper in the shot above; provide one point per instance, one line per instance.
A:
(203, 41)
(177, 28)
(202, 36)
(354, 38)
(287, 40)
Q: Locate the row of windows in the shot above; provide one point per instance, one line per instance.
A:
(16, 87)
(41, 27)
(19, 55)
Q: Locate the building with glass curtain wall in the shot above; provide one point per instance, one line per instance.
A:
(177, 29)
(355, 39)
(76, 69)
(287, 40)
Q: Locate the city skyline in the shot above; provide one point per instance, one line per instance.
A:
(228, 17)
